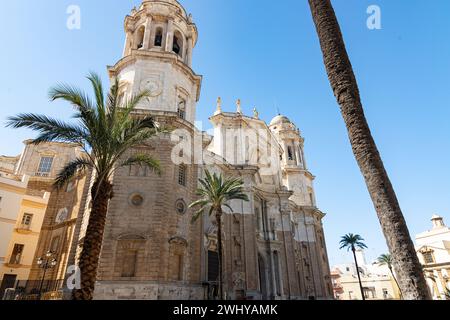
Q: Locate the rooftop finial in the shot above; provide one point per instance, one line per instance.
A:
(255, 113)
(238, 104)
(219, 105)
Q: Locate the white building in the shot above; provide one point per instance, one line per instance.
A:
(433, 249)
(377, 281)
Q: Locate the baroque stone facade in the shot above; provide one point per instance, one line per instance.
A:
(274, 246)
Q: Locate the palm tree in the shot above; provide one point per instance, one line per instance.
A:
(345, 88)
(106, 130)
(351, 242)
(215, 192)
(386, 260)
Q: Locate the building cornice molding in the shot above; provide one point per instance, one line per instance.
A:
(169, 57)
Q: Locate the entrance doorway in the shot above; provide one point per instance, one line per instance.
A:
(9, 281)
(262, 278)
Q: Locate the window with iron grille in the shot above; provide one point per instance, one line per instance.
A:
(45, 166)
(182, 109)
(182, 175)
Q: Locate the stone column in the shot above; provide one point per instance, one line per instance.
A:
(148, 32)
(128, 41)
(169, 36)
(189, 51)
(303, 159)
(297, 153)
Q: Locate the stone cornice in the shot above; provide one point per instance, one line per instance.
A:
(233, 117)
(146, 10)
(295, 169)
(170, 57)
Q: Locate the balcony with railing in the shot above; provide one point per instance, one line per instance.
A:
(23, 228)
(42, 174)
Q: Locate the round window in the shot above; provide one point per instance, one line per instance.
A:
(137, 200)
(181, 206)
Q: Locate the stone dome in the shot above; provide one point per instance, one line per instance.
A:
(280, 119)
(172, 2)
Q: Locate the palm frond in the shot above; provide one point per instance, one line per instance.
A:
(385, 259)
(97, 86)
(75, 96)
(49, 129)
(143, 160)
(216, 191)
(352, 241)
(70, 170)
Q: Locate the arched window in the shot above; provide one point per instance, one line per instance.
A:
(182, 109)
(290, 154)
(129, 248)
(176, 260)
(158, 37)
(129, 264)
(140, 37)
(178, 43)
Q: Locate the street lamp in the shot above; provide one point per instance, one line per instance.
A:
(46, 263)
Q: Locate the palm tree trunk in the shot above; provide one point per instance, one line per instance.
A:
(396, 282)
(92, 243)
(219, 249)
(359, 276)
(345, 88)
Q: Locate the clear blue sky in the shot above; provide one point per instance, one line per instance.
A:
(267, 54)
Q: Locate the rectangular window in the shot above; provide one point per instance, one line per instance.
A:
(16, 256)
(428, 257)
(55, 244)
(182, 175)
(26, 220)
(45, 166)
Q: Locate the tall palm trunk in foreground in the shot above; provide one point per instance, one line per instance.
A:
(93, 239)
(345, 88)
(220, 251)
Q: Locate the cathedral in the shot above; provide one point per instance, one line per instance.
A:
(274, 245)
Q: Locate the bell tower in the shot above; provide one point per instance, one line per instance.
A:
(160, 38)
(151, 250)
(295, 174)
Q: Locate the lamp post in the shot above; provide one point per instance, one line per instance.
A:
(47, 262)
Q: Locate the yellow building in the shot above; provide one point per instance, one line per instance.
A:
(21, 216)
(433, 250)
(25, 185)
